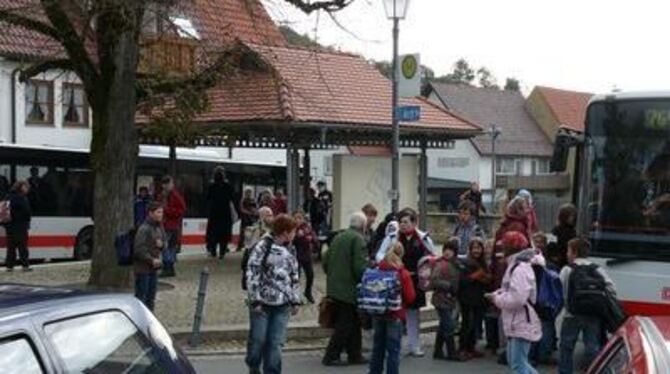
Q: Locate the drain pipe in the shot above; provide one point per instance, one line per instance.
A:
(15, 72)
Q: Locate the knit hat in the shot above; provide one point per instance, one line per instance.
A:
(513, 239)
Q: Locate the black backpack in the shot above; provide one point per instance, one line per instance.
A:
(588, 296)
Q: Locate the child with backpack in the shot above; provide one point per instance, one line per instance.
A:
(548, 306)
(388, 326)
(515, 298)
(582, 280)
(474, 281)
(444, 282)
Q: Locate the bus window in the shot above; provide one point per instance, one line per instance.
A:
(5, 180)
(629, 186)
(58, 191)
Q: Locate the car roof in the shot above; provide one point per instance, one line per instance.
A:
(663, 326)
(14, 295)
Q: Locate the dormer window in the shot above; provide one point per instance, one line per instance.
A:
(39, 102)
(75, 107)
(185, 27)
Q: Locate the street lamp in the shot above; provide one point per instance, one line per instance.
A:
(395, 11)
(495, 133)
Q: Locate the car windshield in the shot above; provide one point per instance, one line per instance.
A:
(628, 178)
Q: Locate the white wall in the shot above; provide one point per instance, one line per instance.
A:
(5, 101)
(50, 135)
(362, 180)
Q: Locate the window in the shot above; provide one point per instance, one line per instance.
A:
(617, 360)
(75, 107)
(57, 191)
(541, 167)
(17, 356)
(452, 162)
(102, 343)
(507, 166)
(39, 102)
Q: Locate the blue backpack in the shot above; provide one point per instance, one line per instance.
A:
(379, 292)
(124, 245)
(549, 292)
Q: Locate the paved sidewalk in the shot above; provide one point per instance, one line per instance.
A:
(175, 304)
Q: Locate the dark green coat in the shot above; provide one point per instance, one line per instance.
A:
(344, 264)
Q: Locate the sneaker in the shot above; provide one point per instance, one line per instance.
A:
(9, 270)
(309, 297)
(27, 269)
(416, 352)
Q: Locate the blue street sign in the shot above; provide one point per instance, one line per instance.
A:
(409, 113)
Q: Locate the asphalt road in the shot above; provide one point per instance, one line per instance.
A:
(310, 363)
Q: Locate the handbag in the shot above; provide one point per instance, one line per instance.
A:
(326, 313)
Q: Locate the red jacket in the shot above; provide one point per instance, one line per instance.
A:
(408, 292)
(174, 211)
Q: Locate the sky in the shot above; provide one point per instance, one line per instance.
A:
(583, 45)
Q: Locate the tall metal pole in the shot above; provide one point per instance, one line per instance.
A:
(395, 166)
(494, 136)
(423, 188)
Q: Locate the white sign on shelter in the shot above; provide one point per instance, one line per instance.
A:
(409, 75)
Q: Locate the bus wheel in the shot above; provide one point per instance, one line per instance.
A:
(83, 248)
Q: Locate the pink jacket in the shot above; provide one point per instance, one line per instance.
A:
(515, 296)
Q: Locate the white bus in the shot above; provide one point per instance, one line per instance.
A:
(62, 225)
(623, 190)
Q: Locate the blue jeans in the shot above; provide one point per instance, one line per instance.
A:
(447, 324)
(572, 326)
(541, 351)
(169, 254)
(145, 288)
(267, 333)
(517, 356)
(386, 342)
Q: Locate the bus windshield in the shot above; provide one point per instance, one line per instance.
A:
(627, 170)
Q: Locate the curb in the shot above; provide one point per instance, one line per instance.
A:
(304, 330)
(426, 328)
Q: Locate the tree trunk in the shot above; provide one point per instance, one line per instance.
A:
(114, 152)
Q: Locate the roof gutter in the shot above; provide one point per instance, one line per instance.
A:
(13, 110)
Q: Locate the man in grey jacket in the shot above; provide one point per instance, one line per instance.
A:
(149, 242)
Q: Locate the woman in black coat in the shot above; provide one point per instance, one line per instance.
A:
(220, 220)
(18, 226)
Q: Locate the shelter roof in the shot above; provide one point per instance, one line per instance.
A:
(304, 86)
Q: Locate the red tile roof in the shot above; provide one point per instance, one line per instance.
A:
(301, 86)
(219, 22)
(22, 43)
(326, 87)
(569, 107)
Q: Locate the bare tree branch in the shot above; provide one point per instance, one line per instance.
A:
(309, 6)
(42, 66)
(72, 42)
(10, 17)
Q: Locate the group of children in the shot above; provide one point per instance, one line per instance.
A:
(492, 288)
